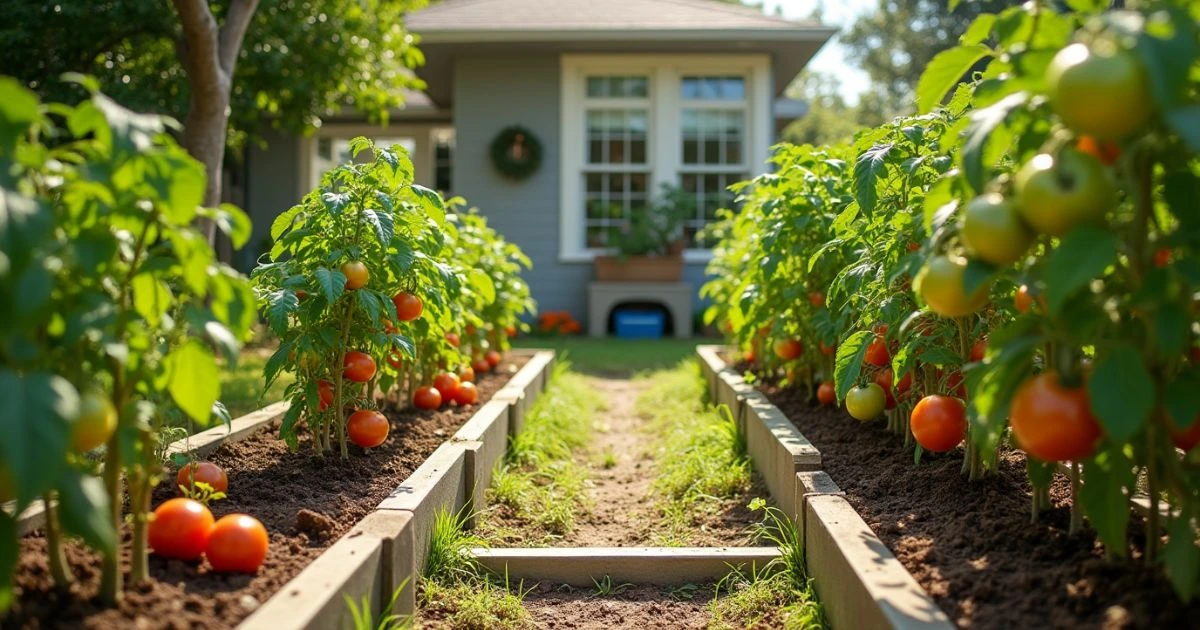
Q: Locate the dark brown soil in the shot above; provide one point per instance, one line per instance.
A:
(306, 503)
(559, 607)
(971, 544)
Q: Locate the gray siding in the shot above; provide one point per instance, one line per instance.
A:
(491, 93)
(272, 186)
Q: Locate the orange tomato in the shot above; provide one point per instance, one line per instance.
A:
(826, 350)
(788, 349)
(395, 360)
(452, 338)
(817, 299)
(359, 366)
(408, 306)
(826, 394)
(427, 398)
(202, 472)
(493, 358)
(466, 394)
(1106, 151)
(1051, 422)
(238, 544)
(939, 423)
(1162, 257)
(979, 350)
(324, 395)
(356, 275)
(446, 384)
(180, 529)
(367, 428)
(481, 366)
(466, 374)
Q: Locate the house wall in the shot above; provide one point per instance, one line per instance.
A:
(272, 186)
(493, 92)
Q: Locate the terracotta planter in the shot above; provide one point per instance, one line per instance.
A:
(639, 268)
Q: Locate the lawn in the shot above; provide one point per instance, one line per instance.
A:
(615, 356)
(242, 386)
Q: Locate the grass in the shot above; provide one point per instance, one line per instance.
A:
(539, 487)
(242, 386)
(607, 588)
(609, 356)
(701, 462)
(458, 592)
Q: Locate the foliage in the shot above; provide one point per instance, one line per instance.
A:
(516, 152)
(829, 119)
(291, 72)
(110, 297)
(658, 231)
(828, 249)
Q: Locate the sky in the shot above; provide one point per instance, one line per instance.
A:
(831, 59)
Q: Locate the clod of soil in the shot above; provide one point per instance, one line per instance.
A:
(315, 525)
(971, 545)
(268, 482)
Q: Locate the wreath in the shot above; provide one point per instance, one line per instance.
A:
(516, 152)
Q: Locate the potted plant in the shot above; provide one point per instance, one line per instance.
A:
(649, 247)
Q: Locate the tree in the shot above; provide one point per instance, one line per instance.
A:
(896, 41)
(830, 119)
(296, 61)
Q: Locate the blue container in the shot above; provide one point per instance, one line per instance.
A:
(636, 324)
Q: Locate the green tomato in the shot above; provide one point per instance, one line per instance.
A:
(992, 230)
(866, 403)
(1056, 194)
(96, 422)
(1101, 90)
(940, 284)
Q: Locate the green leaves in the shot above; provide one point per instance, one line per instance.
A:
(332, 283)
(34, 420)
(151, 298)
(1121, 392)
(867, 169)
(948, 68)
(83, 507)
(984, 123)
(1103, 497)
(848, 364)
(193, 380)
(1084, 254)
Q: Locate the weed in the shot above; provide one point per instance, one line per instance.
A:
(449, 547)
(683, 592)
(609, 459)
(606, 587)
(364, 617)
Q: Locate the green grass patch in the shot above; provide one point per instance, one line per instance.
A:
(539, 487)
(701, 463)
(609, 356)
(242, 386)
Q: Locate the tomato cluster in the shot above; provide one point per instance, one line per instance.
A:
(380, 292)
(184, 529)
(1012, 268)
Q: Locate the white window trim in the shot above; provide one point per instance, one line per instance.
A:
(664, 143)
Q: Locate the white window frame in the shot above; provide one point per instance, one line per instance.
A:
(665, 140)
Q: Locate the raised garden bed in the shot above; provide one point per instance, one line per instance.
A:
(309, 506)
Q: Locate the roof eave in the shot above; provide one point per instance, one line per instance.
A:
(785, 33)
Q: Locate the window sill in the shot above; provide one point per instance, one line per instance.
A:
(691, 256)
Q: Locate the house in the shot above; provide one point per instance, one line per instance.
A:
(623, 96)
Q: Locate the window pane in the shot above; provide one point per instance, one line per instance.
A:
(713, 88)
(712, 151)
(594, 182)
(638, 87)
(596, 236)
(615, 86)
(691, 151)
(616, 184)
(636, 119)
(733, 152)
(637, 151)
(637, 183)
(733, 88)
(597, 87)
(595, 121)
(595, 207)
(734, 123)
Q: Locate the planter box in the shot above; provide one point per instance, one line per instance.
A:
(638, 268)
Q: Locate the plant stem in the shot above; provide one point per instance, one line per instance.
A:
(1152, 531)
(339, 382)
(54, 547)
(139, 506)
(111, 578)
(1076, 513)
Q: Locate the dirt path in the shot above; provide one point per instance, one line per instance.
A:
(635, 607)
(620, 472)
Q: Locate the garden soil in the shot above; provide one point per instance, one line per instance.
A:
(306, 503)
(642, 607)
(971, 544)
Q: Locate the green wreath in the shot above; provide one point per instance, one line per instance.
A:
(516, 152)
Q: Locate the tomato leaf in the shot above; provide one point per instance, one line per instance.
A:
(983, 123)
(280, 304)
(848, 363)
(1182, 557)
(8, 558)
(1083, 255)
(84, 508)
(151, 298)
(979, 29)
(287, 429)
(332, 283)
(1121, 392)
(1171, 328)
(867, 170)
(948, 69)
(336, 203)
(1181, 398)
(482, 284)
(431, 202)
(1185, 121)
(193, 380)
(34, 422)
(1103, 497)
(992, 388)
(382, 225)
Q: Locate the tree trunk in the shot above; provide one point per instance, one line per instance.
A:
(204, 132)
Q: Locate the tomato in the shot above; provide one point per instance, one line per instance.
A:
(913, 246)
(367, 428)
(1186, 439)
(881, 330)
(1162, 257)
(466, 374)
(955, 385)
(905, 383)
(1099, 90)
(992, 230)
(1106, 152)
(493, 358)
(1023, 300)
(481, 366)
(866, 403)
(511, 331)
(1056, 194)
(301, 294)
(826, 394)
(408, 306)
(202, 472)
(979, 350)
(356, 275)
(360, 367)
(1051, 422)
(788, 349)
(939, 423)
(877, 353)
(466, 394)
(180, 529)
(446, 384)
(427, 398)
(817, 299)
(96, 422)
(884, 380)
(395, 359)
(389, 326)
(940, 284)
(324, 395)
(452, 339)
(826, 350)
(238, 544)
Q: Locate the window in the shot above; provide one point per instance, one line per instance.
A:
(443, 160)
(631, 125)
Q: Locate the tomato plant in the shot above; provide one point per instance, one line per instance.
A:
(202, 472)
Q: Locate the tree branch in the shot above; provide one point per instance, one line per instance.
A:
(199, 42)
(237, 20)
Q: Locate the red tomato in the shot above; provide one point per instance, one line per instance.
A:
(1024, 300)
(1106, 151)
(202, 472)
(877, 353)
(511, 331)
(324, 395)
(466, 374)
(360, 367)
(493, 358)
(826, 394)
(1051, 422)
(748, 356)
(939, 423)
(367, 428)
(913, 246)
(955, 385)
(446, 384)
(817, 299)
(238, 544)
(481, 366)
(180, 529)
(356, 275)
(408, 306)
(452, 338)
(395, 360)
(427, 398)
(979, 350)
(301, 294)
(389, 327)
(1186, 439)
(1162, 257)
(826, 350)
(788, 349)
(466, 394)
(905, 383)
